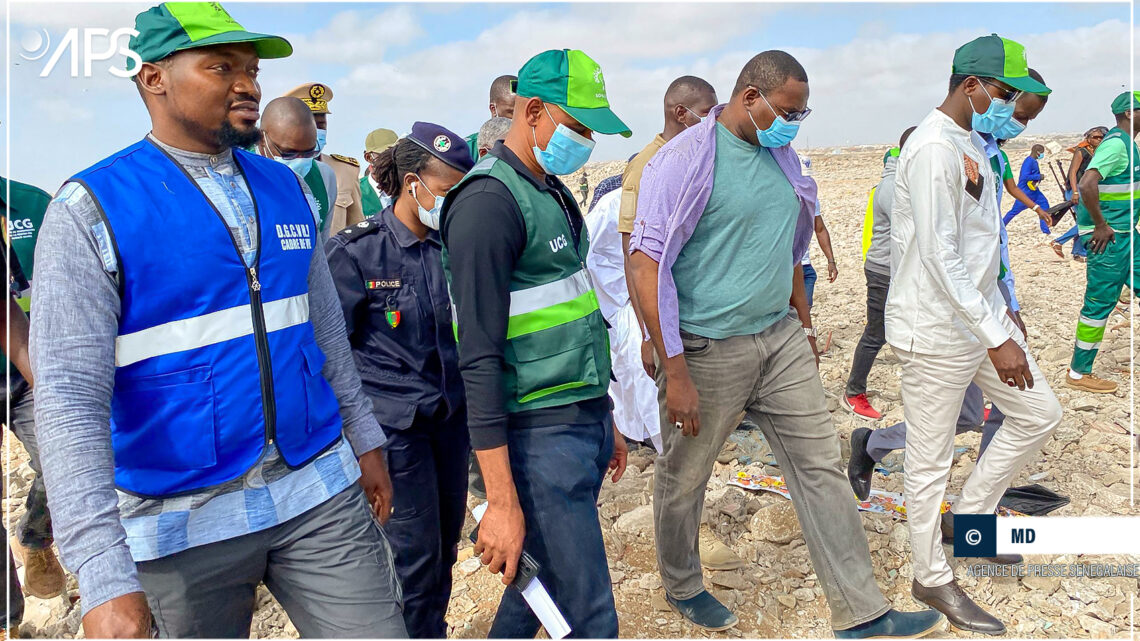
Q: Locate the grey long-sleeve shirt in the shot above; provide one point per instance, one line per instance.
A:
(101, 532)
(879, 253)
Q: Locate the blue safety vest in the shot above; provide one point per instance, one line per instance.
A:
(213, 359)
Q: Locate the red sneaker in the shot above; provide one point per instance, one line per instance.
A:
(860, 406)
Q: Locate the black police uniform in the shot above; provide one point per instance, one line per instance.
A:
(398, 316)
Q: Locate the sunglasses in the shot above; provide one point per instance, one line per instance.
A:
(1008, 95)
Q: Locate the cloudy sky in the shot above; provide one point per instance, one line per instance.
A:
(874, 68)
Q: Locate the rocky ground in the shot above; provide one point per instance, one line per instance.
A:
(778, 594)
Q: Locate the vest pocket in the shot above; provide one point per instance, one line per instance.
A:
(165, 422)
(322, 403)
(554, 360)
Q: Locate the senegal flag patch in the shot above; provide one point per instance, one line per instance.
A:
(393, 317)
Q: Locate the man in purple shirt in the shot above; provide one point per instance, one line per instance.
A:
(723, 217)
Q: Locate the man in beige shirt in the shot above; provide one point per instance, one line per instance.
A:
(347, 210)
(687, 101)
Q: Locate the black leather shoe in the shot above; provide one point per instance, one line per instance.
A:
(860, 466)
(948, 539)
(959, 609)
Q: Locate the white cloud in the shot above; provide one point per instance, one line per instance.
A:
(354, 35)
(862, 91)
(65, 15)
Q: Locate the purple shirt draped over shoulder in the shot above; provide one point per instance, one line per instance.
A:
(674, 191)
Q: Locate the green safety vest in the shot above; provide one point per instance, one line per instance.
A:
(557, 350)
(316, 183)
(369, 202)
(23, 216)
(1119, 194)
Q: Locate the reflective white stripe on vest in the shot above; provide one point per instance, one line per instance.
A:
(524, 301)
(207, 329)
(1119, 189)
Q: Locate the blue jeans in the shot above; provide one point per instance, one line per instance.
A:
(428, 466)
(558, 472)
(1078, 246)
(809, 282)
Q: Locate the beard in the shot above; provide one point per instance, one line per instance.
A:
(230, 136)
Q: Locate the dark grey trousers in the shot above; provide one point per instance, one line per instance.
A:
(330, 568)
(770, 377)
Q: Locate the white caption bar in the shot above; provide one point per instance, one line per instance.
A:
(1068, 534)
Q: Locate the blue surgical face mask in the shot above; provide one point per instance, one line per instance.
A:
(780, 133)
(300, 166)
(695, 115)
(1009, 130)
(566, 151)
(321, 134)
(385, 200)
(997, 115)
(429, 217)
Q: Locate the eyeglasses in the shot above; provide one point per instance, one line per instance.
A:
(1008, 95)
(790, 116)
(695, 114)
(290, 155)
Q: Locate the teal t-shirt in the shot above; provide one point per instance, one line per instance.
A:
(734, 276)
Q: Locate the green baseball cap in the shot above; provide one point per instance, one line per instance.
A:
(1125, 102)
(176, 26)
(999, 58)
(573, 81)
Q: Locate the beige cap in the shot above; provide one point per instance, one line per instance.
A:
(314, 94)
(379, 140)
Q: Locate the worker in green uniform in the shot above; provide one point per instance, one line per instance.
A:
(373, 200)
(534, 351)
(24, 206)
(1106, 219)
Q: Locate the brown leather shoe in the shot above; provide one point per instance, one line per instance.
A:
(1090, 383)
(959, 609)
(43, 575)
(948, 539)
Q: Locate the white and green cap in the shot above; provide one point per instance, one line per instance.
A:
(573, 81)
(177, 26)
(999, 58)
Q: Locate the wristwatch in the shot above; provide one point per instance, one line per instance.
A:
(809, 332)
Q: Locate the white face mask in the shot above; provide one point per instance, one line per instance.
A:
(429, 217)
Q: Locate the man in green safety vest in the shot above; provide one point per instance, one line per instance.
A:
(289, 135)
(1106, 219)
(533, 349)
(24, 207)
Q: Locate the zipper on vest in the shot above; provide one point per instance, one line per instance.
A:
(260, 337)
(265, 363)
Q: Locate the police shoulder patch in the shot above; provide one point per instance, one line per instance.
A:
(352, 161)
(359, 230)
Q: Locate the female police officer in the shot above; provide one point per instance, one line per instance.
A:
(389, 275)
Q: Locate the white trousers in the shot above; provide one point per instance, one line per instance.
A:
(932, 392)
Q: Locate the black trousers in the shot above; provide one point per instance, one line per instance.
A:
(874, 334)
